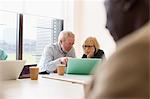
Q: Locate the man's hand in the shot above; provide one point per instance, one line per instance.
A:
(64, 60)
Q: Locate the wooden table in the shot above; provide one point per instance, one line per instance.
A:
(79, 79)
(43, 88)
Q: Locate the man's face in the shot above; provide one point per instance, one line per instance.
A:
(67, 44)
(126, 16)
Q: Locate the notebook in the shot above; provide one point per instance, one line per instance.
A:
(82, 66)
(10, 70)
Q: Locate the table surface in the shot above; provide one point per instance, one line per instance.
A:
(79, 79)
(43, 88)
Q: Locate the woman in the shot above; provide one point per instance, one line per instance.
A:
(92, 49)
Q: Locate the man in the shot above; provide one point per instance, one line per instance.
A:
(57, 53)
(125, 16)
(125, 75)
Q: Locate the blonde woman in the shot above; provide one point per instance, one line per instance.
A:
(92, 49)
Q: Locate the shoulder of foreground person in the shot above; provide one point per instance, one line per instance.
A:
(125, 74)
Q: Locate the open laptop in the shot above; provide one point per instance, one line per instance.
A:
(82, 66)
(26, 72)
(10, 70)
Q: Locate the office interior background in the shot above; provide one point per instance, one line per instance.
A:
(26, 26)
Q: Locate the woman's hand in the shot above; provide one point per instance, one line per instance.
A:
(91, 53)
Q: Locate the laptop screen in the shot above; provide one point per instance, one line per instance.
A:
(82, 66)
(25, 71)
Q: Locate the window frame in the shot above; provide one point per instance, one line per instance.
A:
(19, 37)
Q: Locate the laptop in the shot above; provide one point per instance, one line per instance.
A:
(26, 72)
(82, 66)
(10, 70)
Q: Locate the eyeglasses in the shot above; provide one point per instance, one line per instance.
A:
(89, 46)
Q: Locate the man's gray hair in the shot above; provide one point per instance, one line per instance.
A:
(64, 35)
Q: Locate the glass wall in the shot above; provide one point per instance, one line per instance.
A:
(8, 30)
(37, 32)
(41, 26)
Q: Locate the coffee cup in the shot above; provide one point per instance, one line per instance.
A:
(61, 69)
(34, 71)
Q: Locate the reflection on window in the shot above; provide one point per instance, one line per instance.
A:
(8, 23)
(38, 32)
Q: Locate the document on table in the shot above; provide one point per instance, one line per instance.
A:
(80, 79)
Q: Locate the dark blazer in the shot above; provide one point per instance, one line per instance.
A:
(99, 54)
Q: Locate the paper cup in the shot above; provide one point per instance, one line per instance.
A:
(34, 71)
(61, 69)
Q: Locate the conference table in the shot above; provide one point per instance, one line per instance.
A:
(51, 86)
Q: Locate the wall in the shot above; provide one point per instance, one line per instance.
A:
(50, 8)
(89, 20)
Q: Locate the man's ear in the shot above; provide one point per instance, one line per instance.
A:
(129, 4)
(60, 41)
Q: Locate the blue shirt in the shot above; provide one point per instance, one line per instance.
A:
(51, 57)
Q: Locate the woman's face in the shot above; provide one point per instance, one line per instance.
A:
(88, 48)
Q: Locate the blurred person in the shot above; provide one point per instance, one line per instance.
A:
(57, 53)
(92, 49)
(3, 55)
(125, 75)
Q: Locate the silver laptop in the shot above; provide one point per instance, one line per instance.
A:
(10, 70)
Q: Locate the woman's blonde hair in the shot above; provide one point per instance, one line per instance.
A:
(92, 41)
(64, 35)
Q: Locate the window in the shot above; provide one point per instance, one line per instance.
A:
(8, 30)
(37, 32)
